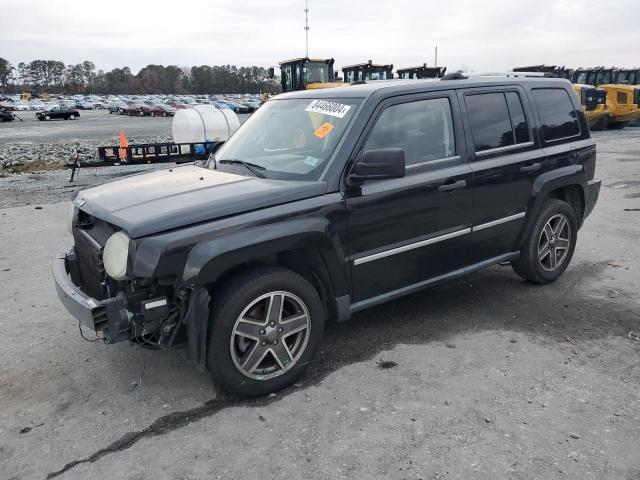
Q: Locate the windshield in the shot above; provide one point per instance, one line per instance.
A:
(316, 72)
(603, 77)
(288, 139)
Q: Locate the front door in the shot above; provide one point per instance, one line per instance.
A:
(403, 232)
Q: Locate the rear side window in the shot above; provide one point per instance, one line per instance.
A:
(497, 120)
(557, 114)
(424, 129)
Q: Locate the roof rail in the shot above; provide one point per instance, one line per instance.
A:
(463, 76)
(508, 74)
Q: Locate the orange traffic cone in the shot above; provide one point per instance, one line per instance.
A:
(122, 151)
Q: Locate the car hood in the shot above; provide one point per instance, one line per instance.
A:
(165, 199)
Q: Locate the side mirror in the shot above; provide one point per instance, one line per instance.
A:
(379, 164)
(271, 73)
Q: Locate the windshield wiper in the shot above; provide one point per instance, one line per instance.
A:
(252, 167)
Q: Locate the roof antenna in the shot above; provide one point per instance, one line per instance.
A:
(306, 24)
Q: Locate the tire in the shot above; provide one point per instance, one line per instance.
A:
(536, 266)
(72, 117)
(141, 114)
(249, 295)
(153, 114)
(47, 117)
(616, 125)
(601, 124)
(164, 114)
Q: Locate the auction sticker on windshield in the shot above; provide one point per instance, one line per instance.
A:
(324, 107)
(323, 130)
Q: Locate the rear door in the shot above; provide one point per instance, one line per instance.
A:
(405, 231)
(506, 159)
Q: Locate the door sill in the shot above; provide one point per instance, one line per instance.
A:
(401, 292)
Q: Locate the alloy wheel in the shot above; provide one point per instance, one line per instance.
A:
(554, 242)
(270, 335)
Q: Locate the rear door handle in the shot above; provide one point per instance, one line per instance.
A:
(447, 187)
(531, 168)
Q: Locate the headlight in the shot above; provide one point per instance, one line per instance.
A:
(115, 254)
(72, 218)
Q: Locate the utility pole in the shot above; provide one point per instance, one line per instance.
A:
(436, 59)
(306, 24)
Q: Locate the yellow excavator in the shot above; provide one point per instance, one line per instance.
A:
(361, 72)
(629, 76)
(622, 99)
(306, 74)
(592, 99)
(423, 71)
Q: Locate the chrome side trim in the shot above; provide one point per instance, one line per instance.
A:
(504, 149)
(436, 161)
(411, 246)
(592, 182)
(499, 221)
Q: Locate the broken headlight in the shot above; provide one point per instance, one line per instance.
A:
(114, 256)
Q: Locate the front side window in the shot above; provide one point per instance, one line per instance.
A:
(289, 139)
(557, 113)
(424, 129)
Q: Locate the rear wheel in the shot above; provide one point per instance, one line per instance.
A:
(164, 114)
(600, 124)
(72, 117)
(616, 125)
(266, 326)
(47, 117)
(549, 249)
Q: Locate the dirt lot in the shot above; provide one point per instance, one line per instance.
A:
(485, 378)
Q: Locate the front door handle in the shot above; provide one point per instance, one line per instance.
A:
(531, 168)
(447, 187)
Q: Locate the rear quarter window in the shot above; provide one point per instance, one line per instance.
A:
(558, 116)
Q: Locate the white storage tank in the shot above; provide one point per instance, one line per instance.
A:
(203, 123)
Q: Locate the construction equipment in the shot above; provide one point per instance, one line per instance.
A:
(592, 99)
(623, 100)
(306, 73)
(629, 76)
(422, 71)
(361, 72)
(33, 96)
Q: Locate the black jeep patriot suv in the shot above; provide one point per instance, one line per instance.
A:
(326, 202)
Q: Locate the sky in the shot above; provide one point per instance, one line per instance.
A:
(480, 36)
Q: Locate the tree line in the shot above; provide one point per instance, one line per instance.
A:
(53, 76)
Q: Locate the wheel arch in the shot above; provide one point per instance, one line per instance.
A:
(567, 184)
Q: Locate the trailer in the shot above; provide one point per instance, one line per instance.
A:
(146, 153)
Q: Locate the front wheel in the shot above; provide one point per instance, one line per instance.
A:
(47, 117)
(72, 117)
(266, 326)
(549, 249)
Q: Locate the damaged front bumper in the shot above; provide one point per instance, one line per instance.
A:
(109, 316)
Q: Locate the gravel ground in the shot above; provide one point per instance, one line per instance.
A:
(485, 377)
(53, 143)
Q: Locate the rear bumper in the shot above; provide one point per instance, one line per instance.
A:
(109, 316)
(592, 193)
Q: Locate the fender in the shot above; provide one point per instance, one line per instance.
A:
(545, 183)
(211, 258)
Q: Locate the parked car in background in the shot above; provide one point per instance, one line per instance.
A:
(84, 105)
(181, 106)
(221, 105)
(21, 106)
(57, 112)
(139, 110)
(162, 111)
(120, 108)
(6, 115)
